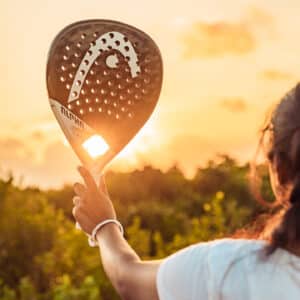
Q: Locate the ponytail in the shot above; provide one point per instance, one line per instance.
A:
(287, 234)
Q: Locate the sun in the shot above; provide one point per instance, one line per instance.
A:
(95, 146)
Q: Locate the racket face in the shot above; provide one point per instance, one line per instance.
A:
(103, 79)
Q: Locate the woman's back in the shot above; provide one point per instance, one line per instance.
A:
(229, 270)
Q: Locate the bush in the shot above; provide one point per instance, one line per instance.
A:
(43, 257)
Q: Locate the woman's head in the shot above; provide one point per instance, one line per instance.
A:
(283, 149)
(283, 153)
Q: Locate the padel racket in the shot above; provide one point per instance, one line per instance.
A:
(103, 79)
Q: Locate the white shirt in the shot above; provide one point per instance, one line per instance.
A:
(229, 270)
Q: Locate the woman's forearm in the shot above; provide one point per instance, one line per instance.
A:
(130, 276)
(116, 255)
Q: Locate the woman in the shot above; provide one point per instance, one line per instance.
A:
(222, 269)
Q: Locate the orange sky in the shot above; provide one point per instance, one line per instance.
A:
(226, 63)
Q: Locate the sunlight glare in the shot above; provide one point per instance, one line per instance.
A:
(95, 146)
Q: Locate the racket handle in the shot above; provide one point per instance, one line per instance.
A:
(97, 168)
(97, 173)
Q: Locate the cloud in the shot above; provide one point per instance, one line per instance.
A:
(217, 39)
(203, 40)
(56, 164)
(272, 74)
(13, 149)
(236, 105)
(260, 21)
(38, 136)
(10, 143)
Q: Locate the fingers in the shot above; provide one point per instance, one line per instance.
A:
(77, 211)
(82, 221)
(76, 200)
(77, 226)
(79, 189)
(102, 185)
(87, 177)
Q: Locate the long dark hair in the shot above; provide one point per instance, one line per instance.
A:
(283, 145)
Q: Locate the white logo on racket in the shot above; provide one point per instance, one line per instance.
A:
(110, 40)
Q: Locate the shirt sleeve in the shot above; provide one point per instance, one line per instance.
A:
(185, 275)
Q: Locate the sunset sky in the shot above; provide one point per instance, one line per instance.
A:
(225, 64)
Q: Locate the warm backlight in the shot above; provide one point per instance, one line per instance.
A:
(95, 146)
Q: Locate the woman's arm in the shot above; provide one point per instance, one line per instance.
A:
(131, 277)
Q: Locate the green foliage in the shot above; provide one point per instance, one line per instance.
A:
(43, 257)
(88, 290)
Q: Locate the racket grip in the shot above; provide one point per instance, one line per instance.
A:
(97, 168)
(97, 174)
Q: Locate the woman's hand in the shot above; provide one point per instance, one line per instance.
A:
(91, 203)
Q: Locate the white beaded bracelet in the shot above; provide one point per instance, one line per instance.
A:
(93, 239)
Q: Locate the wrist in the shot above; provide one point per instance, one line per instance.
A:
(108, 230)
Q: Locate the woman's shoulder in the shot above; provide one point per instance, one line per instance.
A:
(216, 256)
(183, 273)
(236, 243)
(234, 246)
(204, 269)
(223, 252)
(219, 249)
